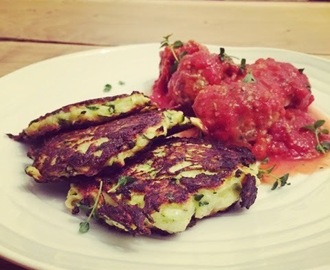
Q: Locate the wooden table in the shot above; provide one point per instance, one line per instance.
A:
(31, 31)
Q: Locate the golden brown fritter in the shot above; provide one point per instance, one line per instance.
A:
(85, 113)
(171, 185)
(88, 151)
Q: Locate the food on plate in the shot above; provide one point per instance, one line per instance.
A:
(85, 113)
(130, 163)
(168, 187)
(263, 105)
(136, 169)
(266, 114)
(170, 58)
(90, 150)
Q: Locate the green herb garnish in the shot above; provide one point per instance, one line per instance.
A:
(107, 87)
(316, 128)
(222, 54)
(279, 181)
(243, 64)
(84, 226)
(225, 57)
(63, 122)
(203, 203)
(111, 108)
(198, 197)
(125, 180)
(176, 44)
(172, 46)
(92, 107)
(122, 181)
(249, 76)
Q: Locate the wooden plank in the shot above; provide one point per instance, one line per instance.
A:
(15, 55)
(301, 26)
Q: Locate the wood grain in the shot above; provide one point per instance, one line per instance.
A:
(298, 26)
(17, 55)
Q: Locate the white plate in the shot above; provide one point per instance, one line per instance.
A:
(284, 229)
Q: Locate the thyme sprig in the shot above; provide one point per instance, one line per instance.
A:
(279, 181)
(84, 225)
(317, 129)
(249, 78)
(172, 46)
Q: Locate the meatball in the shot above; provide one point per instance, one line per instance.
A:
(272, 99)
(284, 79)
(195, 72)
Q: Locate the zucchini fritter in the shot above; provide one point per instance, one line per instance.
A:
(88, 151)
(171, 185)
(85, 113)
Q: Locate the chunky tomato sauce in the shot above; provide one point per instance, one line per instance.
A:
(263, 105)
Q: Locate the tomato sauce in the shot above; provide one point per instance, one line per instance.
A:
(264, 105)
(293, 167)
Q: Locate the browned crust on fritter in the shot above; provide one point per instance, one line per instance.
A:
(121, 135)
(162, 188)
(211, 155)
(79, 122)
(132, 217)
(249, 191)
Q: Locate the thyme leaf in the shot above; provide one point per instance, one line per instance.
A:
(111, 108)
(84, 226)
(176, 44)
(281, 181)
(263, 172)
(203, 203)
(198, 197)
(166, 41)
(107, 87)
(92, 107)
(222, 54)
(125, 180)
